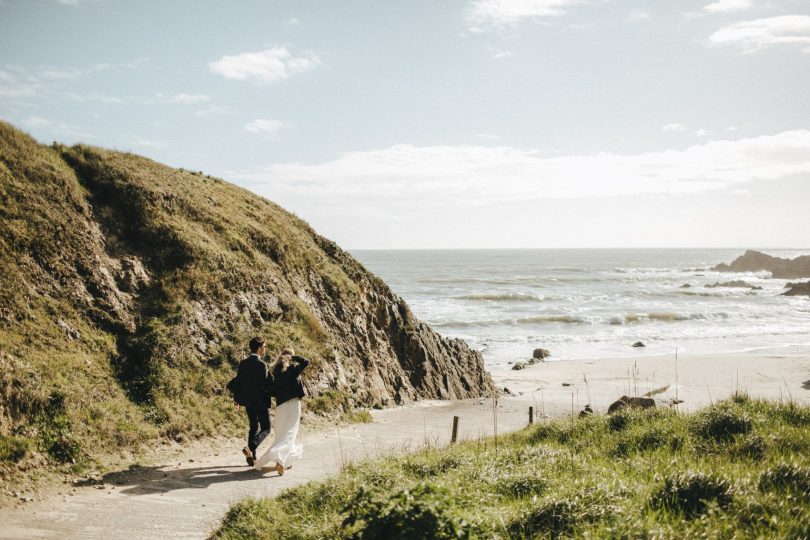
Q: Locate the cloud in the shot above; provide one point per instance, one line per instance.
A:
(186, 99)
(75, 2)
(639, 17)
(266, 66)
(53, 127)
(700, 133)
(752, 36)
(404, 178)
(727, 6)
(483, 15)
(504, 54)
(674, 127)
(264, 126)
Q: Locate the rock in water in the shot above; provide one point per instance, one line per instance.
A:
(797, 289)
(540, 354)
(756, 261)
(638, 344)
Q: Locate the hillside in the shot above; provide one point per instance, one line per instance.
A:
(129, 290)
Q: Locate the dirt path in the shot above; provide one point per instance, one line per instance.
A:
(187, 496)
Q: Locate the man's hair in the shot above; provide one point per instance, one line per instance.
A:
(256, 343)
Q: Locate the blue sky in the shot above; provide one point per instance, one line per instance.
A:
(475, 123)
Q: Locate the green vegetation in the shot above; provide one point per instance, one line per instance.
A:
(738, 469)
(128, 293)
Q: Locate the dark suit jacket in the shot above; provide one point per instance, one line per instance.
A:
(287, 384)
(252, 374)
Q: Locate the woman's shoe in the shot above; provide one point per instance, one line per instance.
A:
(280, 469)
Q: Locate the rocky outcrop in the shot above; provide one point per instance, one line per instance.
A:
(797, 289)
(755, 261)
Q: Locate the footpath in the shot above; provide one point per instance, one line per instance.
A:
(187, 495)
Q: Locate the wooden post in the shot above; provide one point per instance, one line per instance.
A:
(531, 415)
(455, 430)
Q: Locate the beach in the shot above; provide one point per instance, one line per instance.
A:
(696, 380)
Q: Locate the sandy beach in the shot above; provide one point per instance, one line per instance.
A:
(697, 380)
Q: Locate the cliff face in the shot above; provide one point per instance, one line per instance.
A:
(756, 261)
(129, 290)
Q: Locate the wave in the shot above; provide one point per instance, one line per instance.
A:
(568, 319)
(505, 297)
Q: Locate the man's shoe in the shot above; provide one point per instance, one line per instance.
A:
(248, 456)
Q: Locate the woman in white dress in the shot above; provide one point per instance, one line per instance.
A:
(289, 390)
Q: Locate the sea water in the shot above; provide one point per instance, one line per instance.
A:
(592, 303)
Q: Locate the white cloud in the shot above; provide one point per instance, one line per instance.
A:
(727, 6)
(405, 177)
(76, 2)
(264, 126)
(504, 54)
(483, 15)
(639, 17)
(186, 99)
(674, 127)
(266, 66)
(751, 36)
(54, 127)
(701, 133)
(293, 21)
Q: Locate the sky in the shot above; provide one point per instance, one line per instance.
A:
(451, 124)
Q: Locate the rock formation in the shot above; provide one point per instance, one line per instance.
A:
(801, 288)
(755, 261)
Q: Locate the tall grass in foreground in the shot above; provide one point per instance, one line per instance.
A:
(740, 468)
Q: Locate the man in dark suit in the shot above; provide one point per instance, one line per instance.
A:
(253, 384)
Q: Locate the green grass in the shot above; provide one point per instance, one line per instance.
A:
(738, 469)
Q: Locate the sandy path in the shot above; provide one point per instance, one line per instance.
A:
(187, 495)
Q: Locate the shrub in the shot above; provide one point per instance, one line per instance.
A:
(619, 420)
(424, 511)
(12, 448)
(558, 517)
(518, 486)
(649, 439)
(752, 446)
(786, 477)
(721, 423)
(689, 493)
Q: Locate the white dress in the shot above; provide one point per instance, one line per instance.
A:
(284, 449)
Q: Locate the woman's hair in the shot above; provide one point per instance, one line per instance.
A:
(283, 359)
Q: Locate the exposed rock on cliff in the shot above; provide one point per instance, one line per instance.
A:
(755, 261)
(129, 290)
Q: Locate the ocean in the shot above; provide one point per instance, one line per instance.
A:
(594, 303)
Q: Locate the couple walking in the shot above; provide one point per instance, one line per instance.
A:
(258, 383)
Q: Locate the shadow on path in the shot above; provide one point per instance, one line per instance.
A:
(139, 480)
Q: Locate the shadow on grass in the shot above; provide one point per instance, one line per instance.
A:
(139, 480)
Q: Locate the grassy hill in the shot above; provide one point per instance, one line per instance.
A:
(738, 469)
(129, 290)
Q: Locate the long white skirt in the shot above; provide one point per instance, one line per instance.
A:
(284, 449)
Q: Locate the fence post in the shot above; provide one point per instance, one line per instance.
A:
(531, 415)
(455, 430)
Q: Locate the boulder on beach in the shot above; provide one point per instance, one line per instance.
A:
(756, 261)
(587, 411)
(540, 354)
(519, 365)
(638, 344)
(631, 402)
(801, 288)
